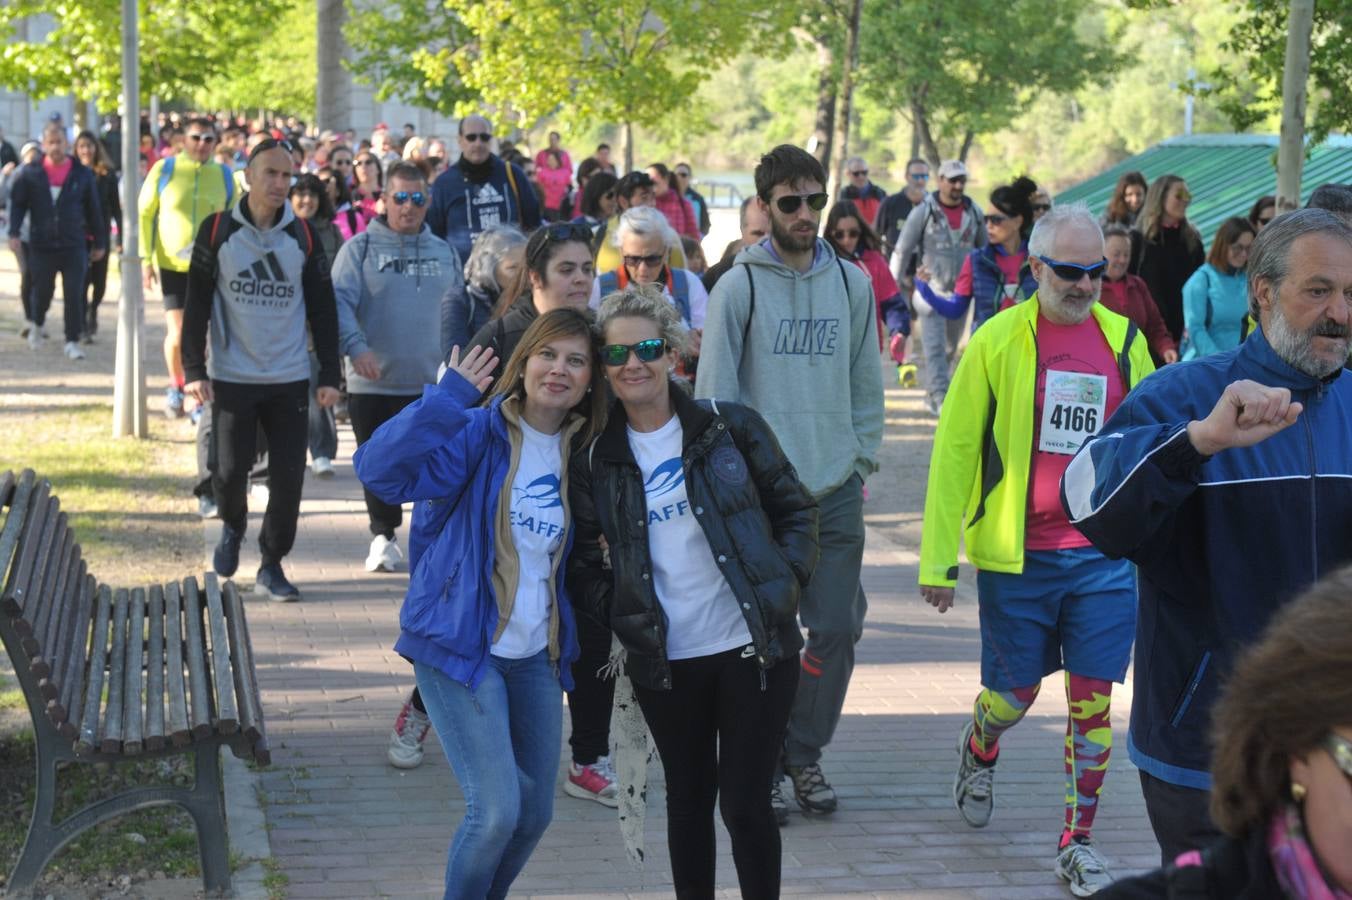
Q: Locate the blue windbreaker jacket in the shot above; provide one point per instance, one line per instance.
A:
(1220, 542)
(451, 458)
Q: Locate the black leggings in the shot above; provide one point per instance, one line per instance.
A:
(719, 731)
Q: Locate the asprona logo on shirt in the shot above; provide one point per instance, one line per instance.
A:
(542, 493)
(529, 505)
(666, 478)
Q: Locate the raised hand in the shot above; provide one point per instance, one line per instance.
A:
(475, 367)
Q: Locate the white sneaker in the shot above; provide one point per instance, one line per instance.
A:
(34, 338)
(26, 328)
(73, 351)
(259, 493)
(406, 740)
(322, 467)
(385, 555)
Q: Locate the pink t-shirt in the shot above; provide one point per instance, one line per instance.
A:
(56, 175)
(1080, 406)
(1010, 267)
(954, 214)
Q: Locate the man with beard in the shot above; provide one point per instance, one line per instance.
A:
(1036, 381)
(791, 332)
(1227, 510)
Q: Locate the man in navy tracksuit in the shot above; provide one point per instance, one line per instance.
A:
(1228, 481)
(60, 197)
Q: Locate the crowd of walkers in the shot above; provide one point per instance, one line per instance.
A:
(638, 479)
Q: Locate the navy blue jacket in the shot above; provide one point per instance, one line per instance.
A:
(451, 459)
(988, 283)
(66, 224)
(1220, 542)
(462, 209)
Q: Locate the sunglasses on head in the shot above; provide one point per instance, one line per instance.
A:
(646, 351)
(482, 136)
(418, 198)
(652, 259)
(558, 233)
(842, 233)
(267, 144)
(1074, 271)
(789, 203)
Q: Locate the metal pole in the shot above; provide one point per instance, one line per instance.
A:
(129, 407)
(1291, 149)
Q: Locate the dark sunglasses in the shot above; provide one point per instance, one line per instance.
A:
(1340, 748)
(840, 233)
(956, 179)
(1041, 207)
(789, 203)
(207, 138)
(267, 144)
(652, 259)
(1263, 220)
(557, 233)
(482, 136)
(340, 162)
(1074, 271)
(996, 218)
(418, 198)
(646, 351)
(860, 173)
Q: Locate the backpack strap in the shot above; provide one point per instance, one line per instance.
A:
(609, 282)
(680, 292)
(229, 185)
(166, 175)
(511, 181)
(751, 306)
(1124, 358)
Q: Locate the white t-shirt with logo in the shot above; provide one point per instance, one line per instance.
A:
(537, 534)
(702, 614)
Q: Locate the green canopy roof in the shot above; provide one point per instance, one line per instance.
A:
(1226, 173)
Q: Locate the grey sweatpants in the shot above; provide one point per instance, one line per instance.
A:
(832, 610)
(939, 339)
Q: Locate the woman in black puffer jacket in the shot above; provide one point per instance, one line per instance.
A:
(93, 156)
(709, 537)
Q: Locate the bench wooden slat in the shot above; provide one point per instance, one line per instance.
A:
(43, 512)
(241, 653)
(111, 734)
(199, 690)
(154, 736)
(55, 598)
(133, 691)
(65, 711)
(175, 687)
(98, 649)
(21, 504)
(227, 711)
(6, 485)
(57, 648)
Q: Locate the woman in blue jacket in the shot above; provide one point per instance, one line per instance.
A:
(486, 622)
(1216, 296)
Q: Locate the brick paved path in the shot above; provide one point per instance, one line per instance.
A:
(345, 824)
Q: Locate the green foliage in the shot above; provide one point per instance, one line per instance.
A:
(614, 61)
(278, 71)
(1252, 93)
(404, 49)
(964, 67)
(183, 44)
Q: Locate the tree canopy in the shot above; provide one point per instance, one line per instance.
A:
(403, 48)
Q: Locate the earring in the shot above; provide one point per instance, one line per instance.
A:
(589, 389)
(1298, 792)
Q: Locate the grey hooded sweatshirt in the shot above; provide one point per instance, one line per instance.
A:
(393, 295)
(804, 354)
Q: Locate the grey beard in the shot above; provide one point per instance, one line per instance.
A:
(1297, 348)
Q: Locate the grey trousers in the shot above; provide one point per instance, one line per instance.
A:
(832, 610)
(939, 339)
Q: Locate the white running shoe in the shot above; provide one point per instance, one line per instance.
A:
(1083, 868)
(385, 555)
(73, 351)
(406, 740)
(322, 467)
(34, 338)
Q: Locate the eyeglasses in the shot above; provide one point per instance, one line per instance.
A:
(340, 162)
(652, 259)
(205, 138)
(859, 173)
(1041, 207)
(368, 161)
(646, 351)
(919, 176)
(996, 219)
(557, 233)
(481, 136)
(956, 179)
(789, 203)
(1074, 271)
(841, 234)
(418, 198)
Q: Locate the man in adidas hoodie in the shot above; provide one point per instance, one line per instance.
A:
(481, 190)
(393, 283)
(791, 331)
(258, 277)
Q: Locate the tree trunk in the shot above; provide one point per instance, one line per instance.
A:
(922, 129)
(837, 171)
(966, 145)
(1291, 149)
(915, 142)
(823, 129)
(627, 145)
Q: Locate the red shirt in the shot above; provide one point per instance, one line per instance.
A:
(1130, 297)
(56, 175)
(884, 285)
(1010, 266)
(954, 214)
(1065, 348)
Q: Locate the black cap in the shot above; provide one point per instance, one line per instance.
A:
(632, 182)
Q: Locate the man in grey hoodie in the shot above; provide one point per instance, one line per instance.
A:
(791, 331)
(395, 283)
(258, 277)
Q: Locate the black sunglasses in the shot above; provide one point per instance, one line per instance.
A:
(996, 218)
(482, 136)
(789, 203)
(1074, 271)
(1041, 207)
(652, 259)
(418, 198)
(557, 233)
(646, 351)
(859, 173)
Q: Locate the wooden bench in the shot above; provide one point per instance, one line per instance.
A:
(112, 674)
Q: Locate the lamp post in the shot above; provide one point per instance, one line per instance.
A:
(129, 407)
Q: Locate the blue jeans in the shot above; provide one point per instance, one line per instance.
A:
(514, 716)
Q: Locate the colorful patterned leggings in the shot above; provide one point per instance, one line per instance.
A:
(1089, 740)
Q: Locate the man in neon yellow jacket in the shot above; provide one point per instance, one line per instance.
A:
(179, 193)
(1036, 381)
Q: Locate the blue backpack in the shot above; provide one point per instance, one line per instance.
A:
(678, 286)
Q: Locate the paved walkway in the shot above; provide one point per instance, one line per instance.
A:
(343, 823)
